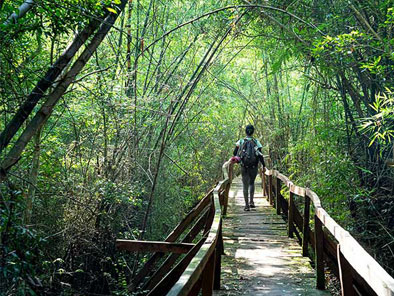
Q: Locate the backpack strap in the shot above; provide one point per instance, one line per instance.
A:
(252, 139)
(241, 146)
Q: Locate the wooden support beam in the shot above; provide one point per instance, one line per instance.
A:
(208, 275)
(345, 274)
(278, 202)
(319, 261)
(265, 191)
(167, 282)
(203, 270)
(225, 200)
(173, 236)
(218, 259)
(195, 291)
(270, 191)
(300, 191)
(194, 270)
(153, 246)
(170, 261)
(211, 215)
(291, 215)
(305, 228)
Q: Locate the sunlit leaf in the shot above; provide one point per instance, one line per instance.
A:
(111, 10)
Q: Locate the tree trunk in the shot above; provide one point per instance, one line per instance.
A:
(46, 109)
(22, 10)
(43, 85)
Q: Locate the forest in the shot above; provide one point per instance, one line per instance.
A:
(117, 115)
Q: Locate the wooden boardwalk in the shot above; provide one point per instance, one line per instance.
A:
(259, 257)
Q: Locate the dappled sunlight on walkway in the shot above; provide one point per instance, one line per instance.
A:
(259, 257)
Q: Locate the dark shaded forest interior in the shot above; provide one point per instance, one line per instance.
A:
(116, 117)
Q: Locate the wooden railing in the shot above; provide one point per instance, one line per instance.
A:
(199, 268)
(190, 257)
(333, 246)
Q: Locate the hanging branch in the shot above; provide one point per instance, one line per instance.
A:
(234, 7)
(47, 108)
(22, 10)
(44, 83)
(197, 79)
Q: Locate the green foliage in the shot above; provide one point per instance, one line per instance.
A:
(22, 248)
(135, 114)
(379, 127)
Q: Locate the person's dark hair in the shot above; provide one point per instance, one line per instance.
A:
(249, 129)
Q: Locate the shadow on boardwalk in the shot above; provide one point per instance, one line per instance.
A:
(259, 257)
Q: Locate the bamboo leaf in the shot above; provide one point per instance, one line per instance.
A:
(111, 10)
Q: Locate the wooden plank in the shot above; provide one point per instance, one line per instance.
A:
(173, 236)
(208, 276)
(314, 198)
(298, 223)
(300, 191)
(168, 263)
(211, 216)
(277, 195)
(284, 205)
(195, 291)
(319, 256)
(286, 181)
(305, 228)
(160, 272)
(270, 191)
(361, 285)
(264, 183)
(291, 215)
(346, 278)
(362, 271)
(379, 280)
(193, 272)
(190, 217)
(152, 246)
(171, 278)
(329, 247)
(369, 270)
(218, 264)
(225, 203)
(330, 252)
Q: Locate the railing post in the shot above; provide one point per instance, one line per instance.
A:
(264, 185)
(274, 185)
(230, 171)
(305, 228)
(195, 291)
(277, 196)
(345, 273)
(208, 275)
(270, 189)
(218, 259)
(211, 214)
(291, 214)
(319, 256)
(225, 198)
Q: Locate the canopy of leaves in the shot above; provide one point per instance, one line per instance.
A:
(141, 133)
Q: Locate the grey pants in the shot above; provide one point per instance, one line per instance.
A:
(248, 177)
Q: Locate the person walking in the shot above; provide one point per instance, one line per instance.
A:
(248, 152)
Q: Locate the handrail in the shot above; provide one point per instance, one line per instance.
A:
(347, 247)
(199, 268)
(207, 253)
